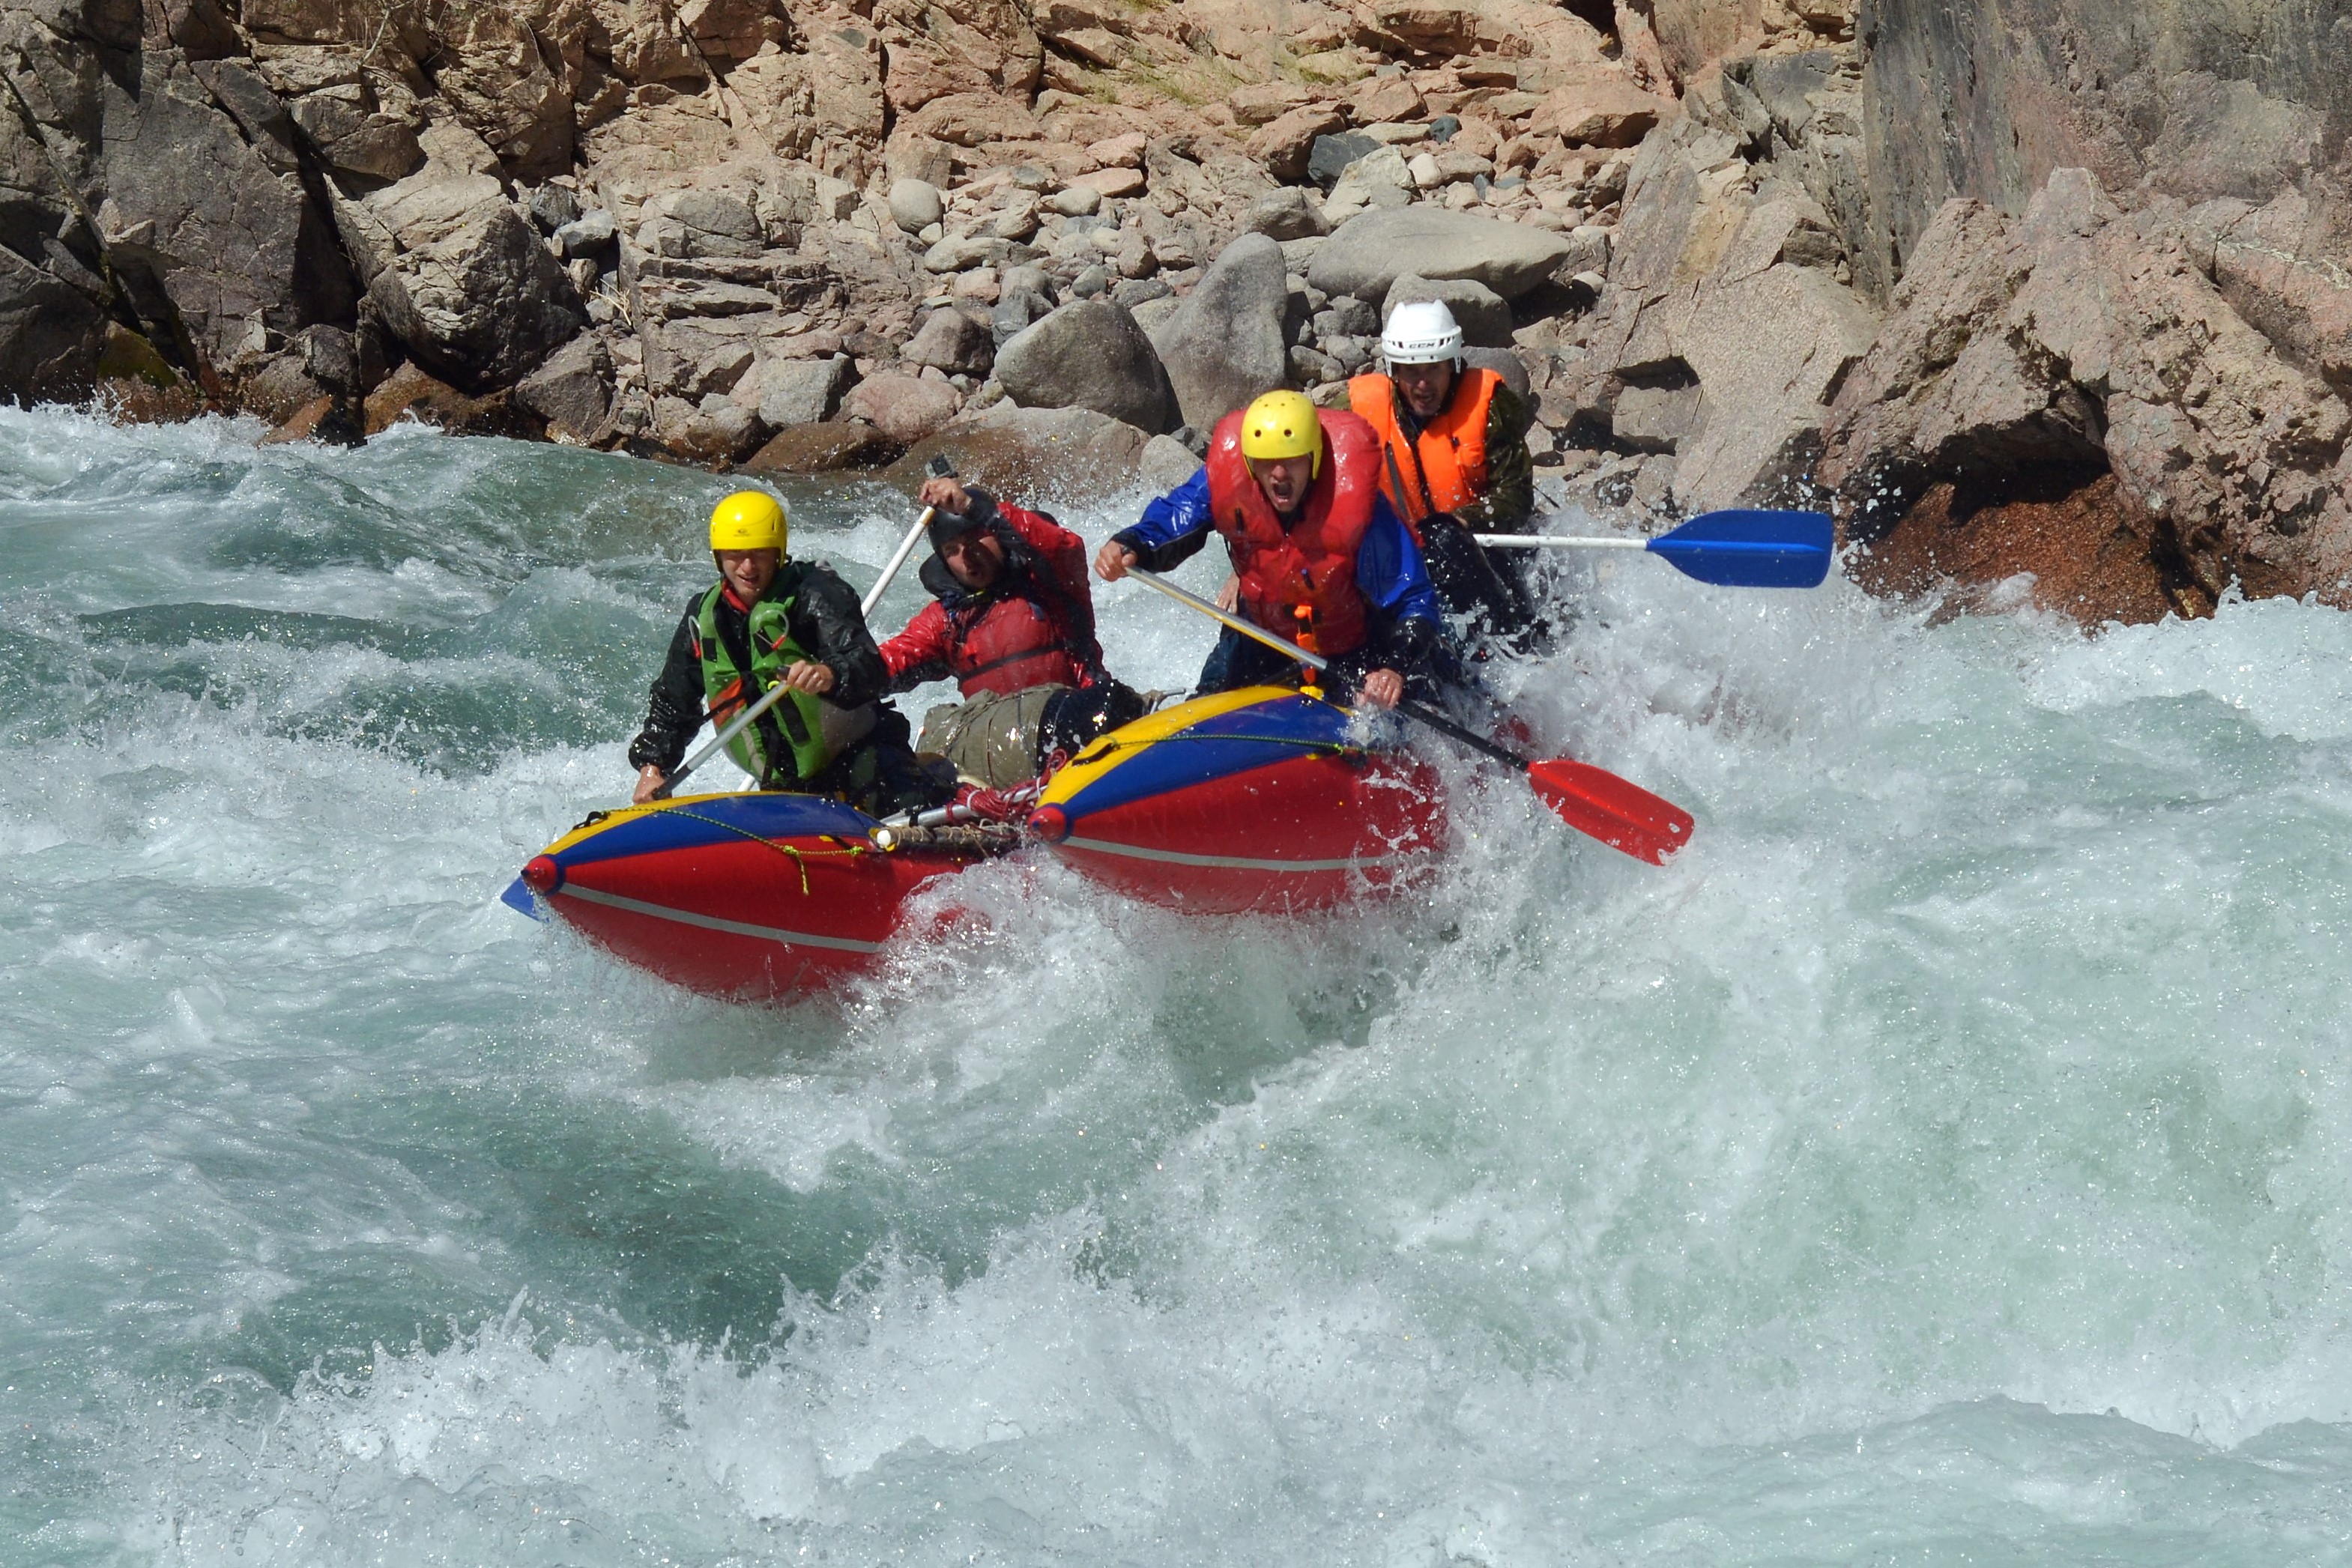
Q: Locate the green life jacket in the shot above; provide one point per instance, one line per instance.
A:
(797, 718)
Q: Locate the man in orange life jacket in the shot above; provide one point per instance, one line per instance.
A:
(1011, 622)
(1453, 461)
(1294, 491)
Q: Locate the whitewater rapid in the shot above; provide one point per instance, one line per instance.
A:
(1945, 1159)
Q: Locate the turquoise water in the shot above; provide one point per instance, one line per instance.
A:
(1943, 1161)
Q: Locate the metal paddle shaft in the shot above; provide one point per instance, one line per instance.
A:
(938, 468)
(1730, 550)
(1593, 800)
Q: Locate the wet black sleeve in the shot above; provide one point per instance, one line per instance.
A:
(1510, 494)
(827, 622)
(1167, 557)
(675, 710)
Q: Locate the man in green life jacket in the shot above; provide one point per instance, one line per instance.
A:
(772, 621)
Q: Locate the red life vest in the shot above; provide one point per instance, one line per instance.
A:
(1312, 562)
(1009, 646)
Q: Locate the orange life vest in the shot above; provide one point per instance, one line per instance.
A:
(1313, 561)
(1447, 468)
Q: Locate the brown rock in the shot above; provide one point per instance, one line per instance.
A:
(823, 449)
(1122, 152)
(2079, 338)
(1053, 456)
(410, 393)
(970, 119)
(326, 419)
(2090, 552)
(952, 342)
(904, 408)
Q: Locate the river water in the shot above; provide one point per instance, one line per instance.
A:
(1944, 1160)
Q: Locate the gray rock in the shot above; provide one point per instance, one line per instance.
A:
(1331, 154)
(1226, 341)
(1089, 354)
(1504, 363)
(468, 285)
(1378, 180)
(1484, 316)
(1311, 367)
(953, 341)
(588, 234)
(1091, 282)
(957, 252)
(1165, 463)
(1289, 213)
(693, 223)
(916, 204)
(799, 392)
(1077, 202)
(1654, 419)
(1371, 250)
(573, 391)
(1347, 316)
(551, 207)
(1134, 291)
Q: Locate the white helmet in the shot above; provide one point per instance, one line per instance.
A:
(1421, 332)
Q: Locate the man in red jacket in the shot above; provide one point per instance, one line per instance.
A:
(1011, 622)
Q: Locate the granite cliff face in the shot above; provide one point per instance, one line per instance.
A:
(1938, 262)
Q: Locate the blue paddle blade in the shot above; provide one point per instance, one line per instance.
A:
(1752, 550)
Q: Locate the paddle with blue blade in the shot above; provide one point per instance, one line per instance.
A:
(1593, 800)
(1730, 550)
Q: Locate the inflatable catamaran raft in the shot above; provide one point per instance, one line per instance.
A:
(1265, 799)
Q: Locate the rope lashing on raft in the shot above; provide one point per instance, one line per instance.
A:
(799, 857)
(1107, 745)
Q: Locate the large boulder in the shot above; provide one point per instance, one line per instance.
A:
(572, 391)
(904, 408)
(2083, 337)
(953, 342)
(462, 277)
(1089, 354)
(787, 393)
(1226, 342)
(1724, 329)
(1056, 456)
(1373, 250)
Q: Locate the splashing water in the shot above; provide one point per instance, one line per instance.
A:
(1943, 1160)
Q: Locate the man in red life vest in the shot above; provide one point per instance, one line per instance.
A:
(1011, 622)
(1453, 461)
(1294, 491)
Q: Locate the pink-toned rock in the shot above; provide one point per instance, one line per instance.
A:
(1384, 100)
(903, 407)
(1113, 182)
(1284, 144)
(1262, 102)
(1123, 152)
(970, 119)
(1599, 111)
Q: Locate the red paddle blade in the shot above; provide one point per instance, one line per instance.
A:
(1621, 815)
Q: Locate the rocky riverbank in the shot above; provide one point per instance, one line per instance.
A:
(2013, 294)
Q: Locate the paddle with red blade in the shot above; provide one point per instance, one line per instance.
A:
(1593, 800)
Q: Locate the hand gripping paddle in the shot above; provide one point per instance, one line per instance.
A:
(1731, 549)
(1593, 800)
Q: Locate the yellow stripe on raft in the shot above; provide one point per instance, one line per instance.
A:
(1129, 741)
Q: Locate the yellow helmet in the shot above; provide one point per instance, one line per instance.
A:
(749, 519)
(1283, 424)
